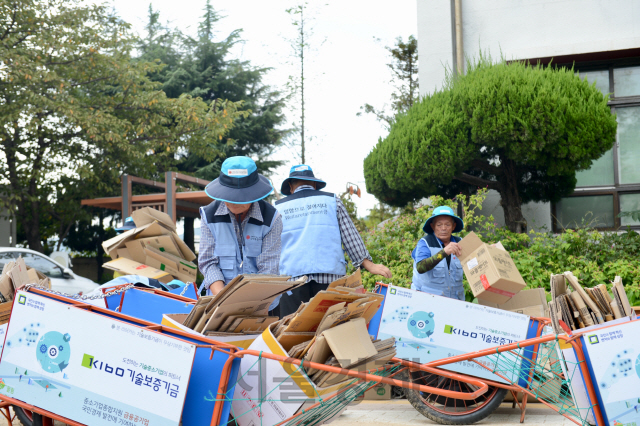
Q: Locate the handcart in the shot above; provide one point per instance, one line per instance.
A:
(533, 367)
(208, 361)
(451, 398)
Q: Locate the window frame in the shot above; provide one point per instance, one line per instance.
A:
(614, 103)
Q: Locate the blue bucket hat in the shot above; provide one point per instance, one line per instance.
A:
(128, 224)
(239, 182)
(443, 211)
(301, 172)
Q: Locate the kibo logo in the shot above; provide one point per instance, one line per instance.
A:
(392, 291)
(593, 339)
(22, 299)
(87, 361)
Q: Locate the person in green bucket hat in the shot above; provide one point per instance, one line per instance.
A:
(436, 264)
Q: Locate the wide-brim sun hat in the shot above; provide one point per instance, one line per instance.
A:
(301, 172)
(443, 211)
(239, 182)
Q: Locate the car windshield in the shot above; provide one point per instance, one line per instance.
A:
(5, 258)
(41, 264)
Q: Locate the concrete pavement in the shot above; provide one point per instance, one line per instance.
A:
(400, 412)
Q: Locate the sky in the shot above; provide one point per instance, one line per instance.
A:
(347, 68)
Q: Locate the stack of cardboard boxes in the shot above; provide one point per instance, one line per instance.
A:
(585, 307)
(330, 329)
(153, 249)
(495, 280)
(241, 307)
(15, 274)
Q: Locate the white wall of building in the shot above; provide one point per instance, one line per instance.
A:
(521, 29)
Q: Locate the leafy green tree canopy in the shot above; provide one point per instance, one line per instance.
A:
(203, 66)
(518, 129)
(404, 66)
(72, 103)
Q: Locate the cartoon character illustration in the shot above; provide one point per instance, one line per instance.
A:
(421, 324)
(53, 351)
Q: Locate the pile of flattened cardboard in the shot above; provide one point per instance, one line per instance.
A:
(15, 274)
(331, 329)
(584, 307)
(152, 250)
(241, 307)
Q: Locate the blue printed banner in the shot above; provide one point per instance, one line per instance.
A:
(92, 368)
(429, 328)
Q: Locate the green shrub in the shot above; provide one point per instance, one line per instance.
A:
(594, 257)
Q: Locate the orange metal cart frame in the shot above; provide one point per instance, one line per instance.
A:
(430, 367)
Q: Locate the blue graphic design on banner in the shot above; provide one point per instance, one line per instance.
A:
(91, 368)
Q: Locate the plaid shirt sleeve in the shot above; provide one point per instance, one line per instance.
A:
(268, 261)
(351, 239)
(207, 262)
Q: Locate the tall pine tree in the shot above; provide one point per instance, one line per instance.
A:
(202, 66)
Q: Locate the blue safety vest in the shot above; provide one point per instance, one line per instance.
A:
(231, 259)
(441, 280)
(311, 241)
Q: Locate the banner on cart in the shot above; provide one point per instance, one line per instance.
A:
(613, 356)
(92, 368)
(429, 328)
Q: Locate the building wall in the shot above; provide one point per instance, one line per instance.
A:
(7, 231)
(538, 215)
(521, 29)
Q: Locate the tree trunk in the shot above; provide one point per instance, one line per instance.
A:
(189, 234)
(510, 198)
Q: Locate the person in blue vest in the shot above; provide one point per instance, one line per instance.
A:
(316, 226)
(436, 264)
(240, 232)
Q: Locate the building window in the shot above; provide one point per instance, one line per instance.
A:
(612, 184)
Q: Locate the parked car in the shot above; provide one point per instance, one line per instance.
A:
(62, 279)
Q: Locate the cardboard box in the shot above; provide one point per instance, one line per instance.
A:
(149, 230)
(179, 268)
(176, 320)
(282, 388)
(147, 215)
(378, 392)
(131, 267)
(428, 328)
(528, 302)
(491, 273)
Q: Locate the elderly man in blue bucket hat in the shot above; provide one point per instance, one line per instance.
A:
(240, 232)
(430, 273)
(316, 226)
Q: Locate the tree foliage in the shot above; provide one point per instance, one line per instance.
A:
(404, 66)
(74, 105)
(202, 66)
(518, 129)
(595, 257)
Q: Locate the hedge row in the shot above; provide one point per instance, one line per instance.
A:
(594, 257)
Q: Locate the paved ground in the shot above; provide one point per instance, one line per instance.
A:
(400, 412)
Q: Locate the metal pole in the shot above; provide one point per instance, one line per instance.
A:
(459, 46)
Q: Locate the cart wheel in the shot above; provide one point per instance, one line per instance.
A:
(449, 411)
(25, 416)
